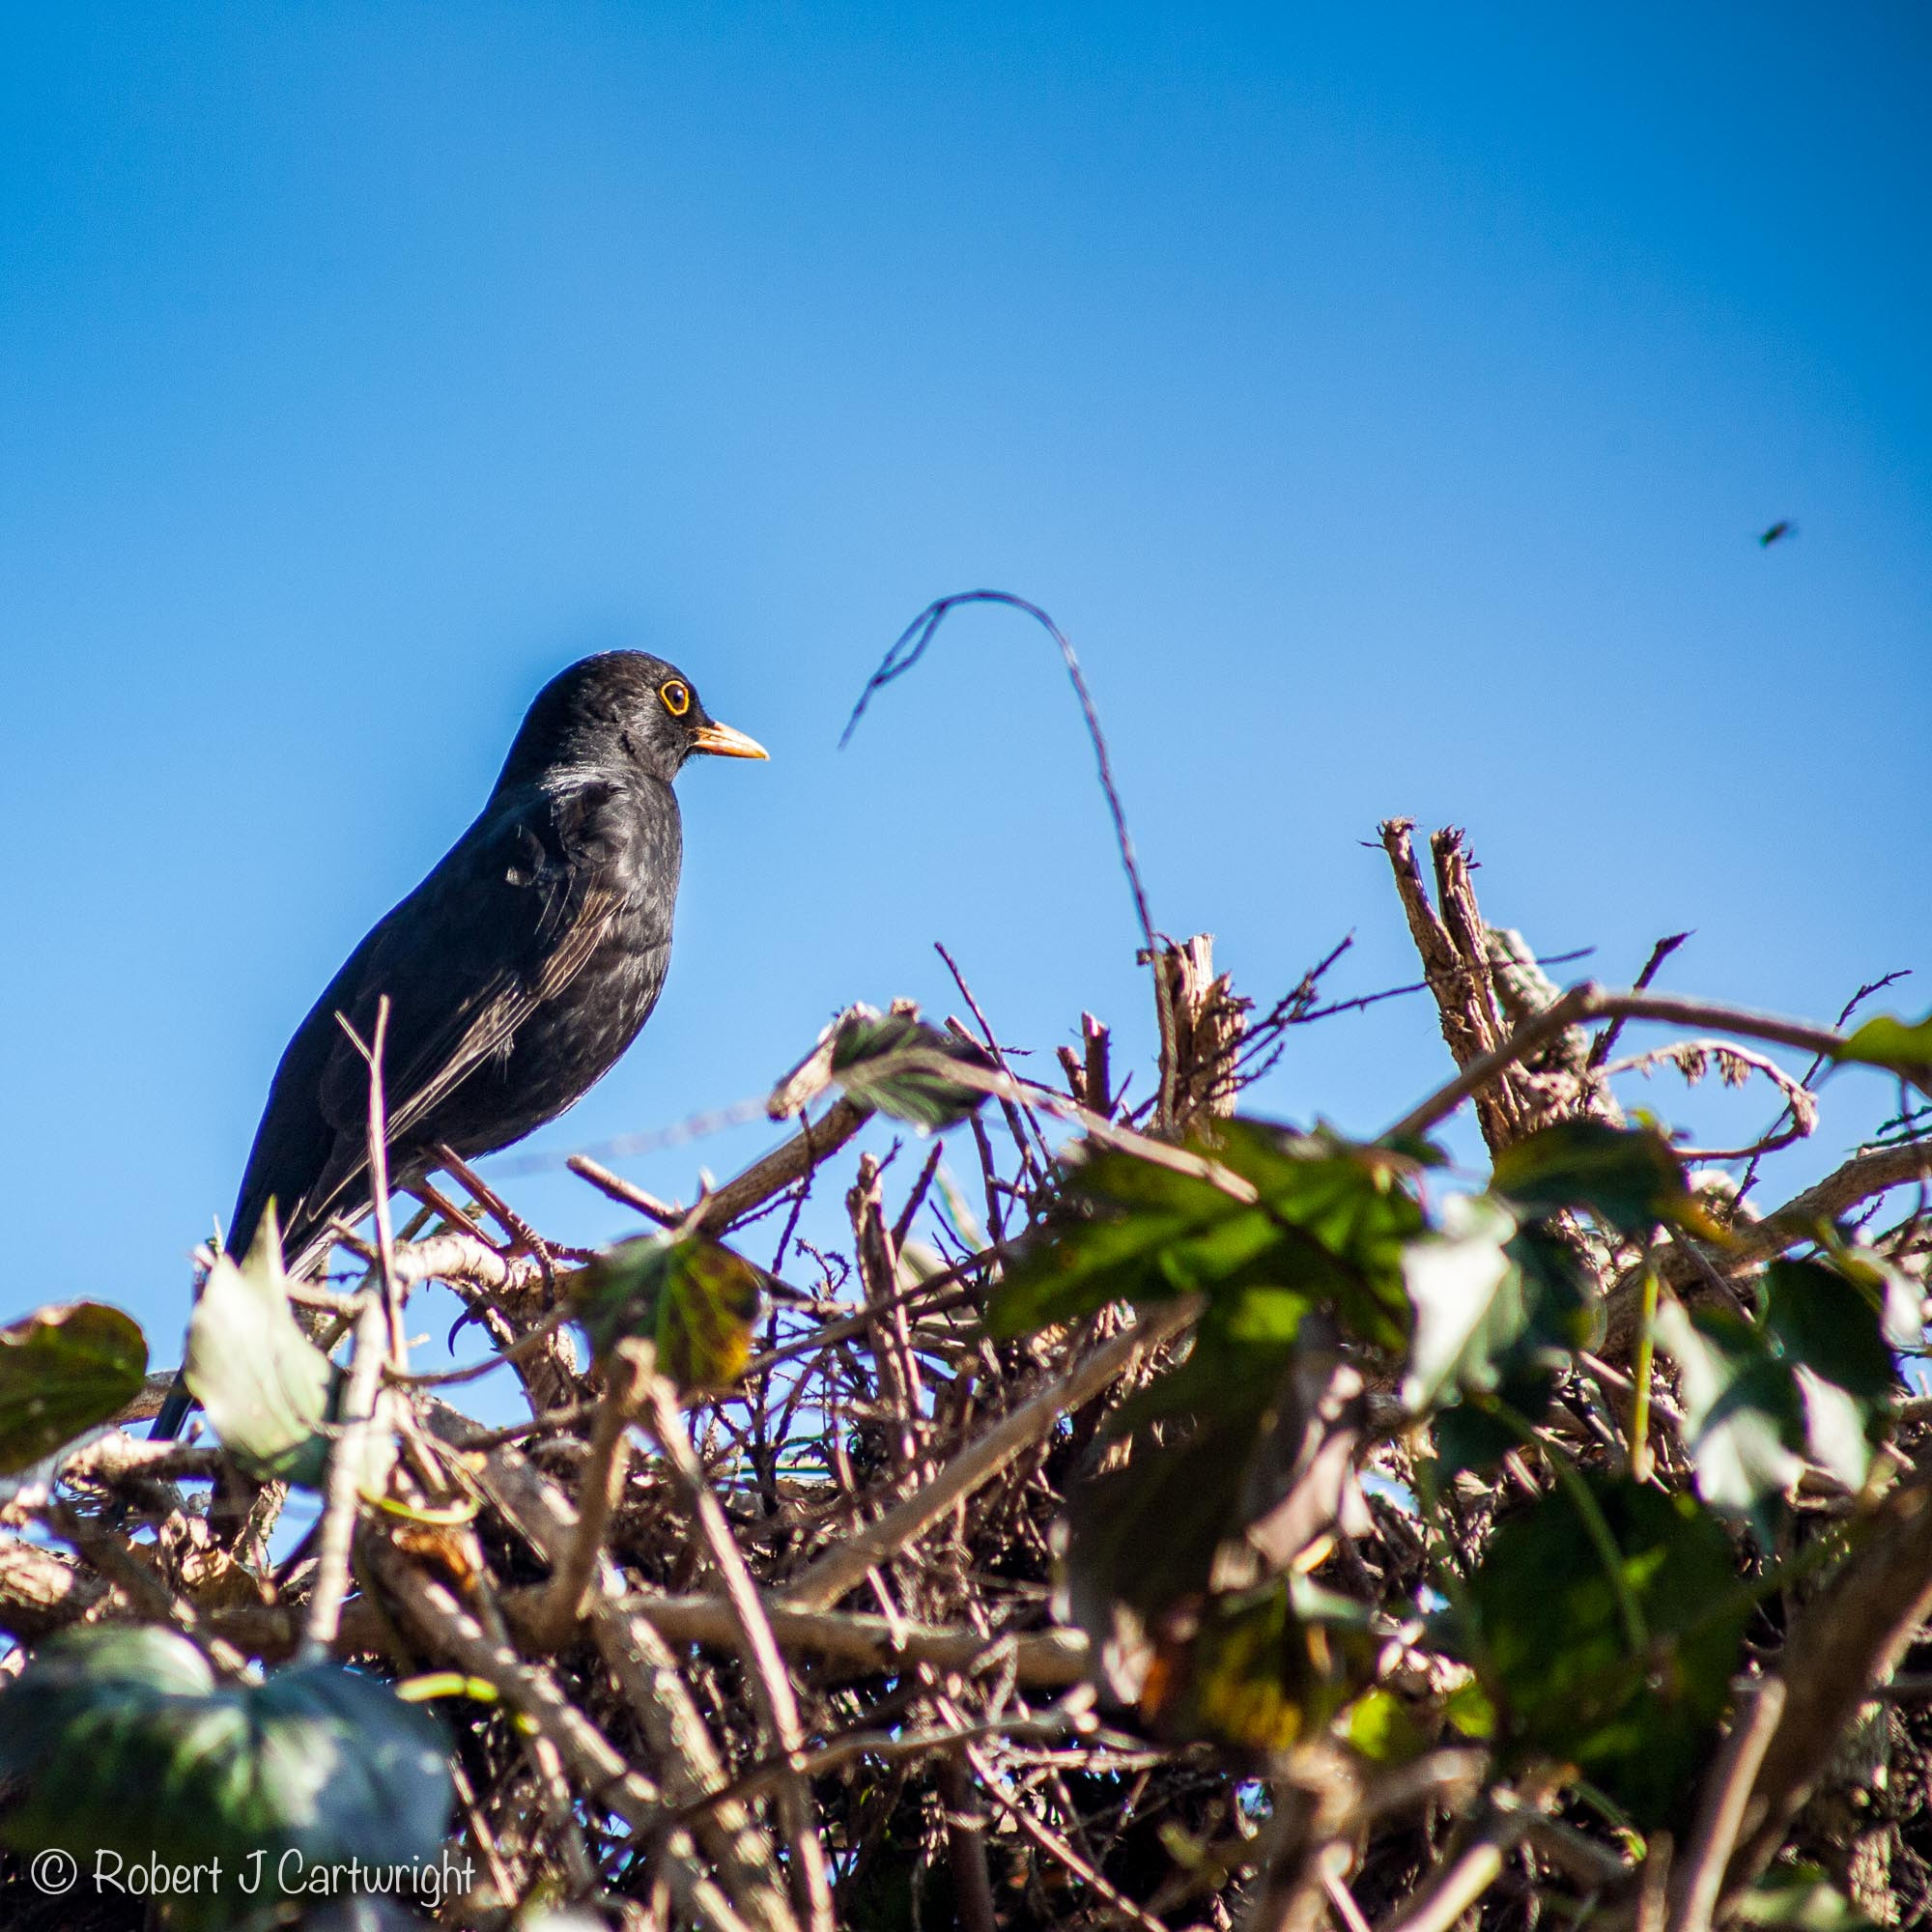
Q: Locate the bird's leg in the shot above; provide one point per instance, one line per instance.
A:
(433, 1198)
(523, 1239)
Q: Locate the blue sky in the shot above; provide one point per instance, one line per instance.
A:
(1384, 400)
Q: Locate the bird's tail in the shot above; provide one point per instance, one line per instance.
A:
(173, 1411)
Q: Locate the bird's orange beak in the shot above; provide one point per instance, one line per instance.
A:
(722, 742)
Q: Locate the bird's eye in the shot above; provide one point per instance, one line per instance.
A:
(676, 697)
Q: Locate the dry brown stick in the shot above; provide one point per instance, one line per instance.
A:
(41, 1591)
(1014, 1114)
(598, 1492)
(1055, 1846)
(1107, 1134)
(1846, 1640)
(1857, 1180)
(454, 1635)
(888, 1331)
(1653, 1898)
(1588, 1001)
(966, 1845)
(377, 1153)
(456, 1256)
(1720, 1810)
(764, 1663)
(845, 1565)
(1340, 1896)
(1800, 1219)
(782, 1166)
(1051, 1660)
(626, 1193)
(1468, 932)
(687, 1759)
(348, 1460)
(1658, 953)
(1457, 977)
(1456, 1886)
(888, 1746)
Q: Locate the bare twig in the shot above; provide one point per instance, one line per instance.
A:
(843, 1567)
(349, 1461)
(910, 646)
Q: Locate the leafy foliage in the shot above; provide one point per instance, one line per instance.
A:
(124, 1742)
(696, 1298)
(1905, 1046)
(266, 1386)
(1261, 1669)
(1327, 1220)
(1629, 1178)
(1352, 1530)
(895, 1063)
(1812, 1380)
(62, 1370)
(1605, 1624)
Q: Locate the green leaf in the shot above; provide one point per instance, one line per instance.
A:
(1475, 1435)
(1380, 1727)
(1830, 1322)
(1330, 1225)
(1823, 1320)
(1454, 1278)
(1144, 1537)
(64, 1370)
(1744, 1417)
(1240, 1351)
(888, 1061)
(1803, 1899)
(1815, 1378)
(1260, 1670)
(696, 1298)
(266, 1386)
(1539, 1314)
(1554, 1619)
(125, 1741)
(1887, 1040)
(1628, 1178)
(1471, 1712)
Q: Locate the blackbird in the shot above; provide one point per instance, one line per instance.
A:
(517, 973)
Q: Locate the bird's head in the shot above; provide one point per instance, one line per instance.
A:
(616, 709)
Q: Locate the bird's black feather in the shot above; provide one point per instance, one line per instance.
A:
(517, 973)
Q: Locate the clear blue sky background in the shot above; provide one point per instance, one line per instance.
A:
(1386, 400)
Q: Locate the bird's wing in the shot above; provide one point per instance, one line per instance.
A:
(503, 925)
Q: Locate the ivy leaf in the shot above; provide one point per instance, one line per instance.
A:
(1243, 1347)
(696, 1298)
(1905, 1046)
(124, 1741)
(1452, 1278)
(1800, 1898)
(1554, 1621)
(886, 1060)
(1834, 1323)
(1815, 1378)
(1823, 1320)
(1332, 1224)
(1629, 1178)
(1260, 1670)
(1744, 1417)
(1381, 1729)
(1539, 1314)
(64, 1370)
(266, 1386)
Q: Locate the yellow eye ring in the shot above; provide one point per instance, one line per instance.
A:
(676, 697)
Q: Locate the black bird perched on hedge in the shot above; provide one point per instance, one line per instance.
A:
(517, 973)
